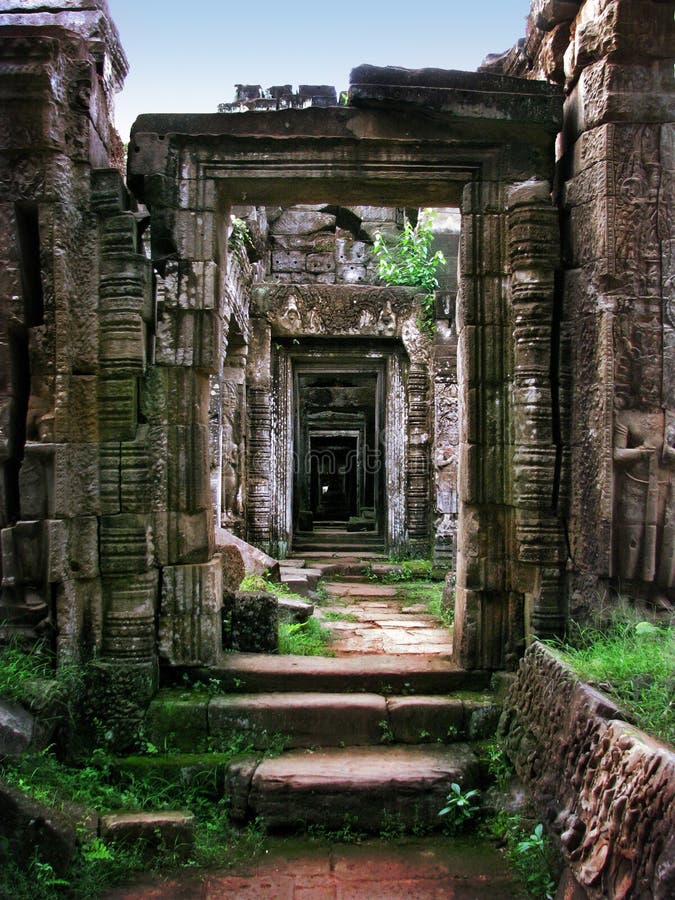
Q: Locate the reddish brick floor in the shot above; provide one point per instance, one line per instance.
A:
(437, 868)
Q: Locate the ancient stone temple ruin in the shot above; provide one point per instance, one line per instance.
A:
(193, 347)
(202, 345)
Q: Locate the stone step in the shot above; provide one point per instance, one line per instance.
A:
(311, 719)
(367, 787)
(409, 673)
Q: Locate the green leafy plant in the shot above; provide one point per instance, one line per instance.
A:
(529, 851)
(499, 765)
(386, 733)
(460, 808)
(409, 261)
(240, 236)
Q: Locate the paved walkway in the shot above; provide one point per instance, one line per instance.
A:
(378, 620)
(415, 869)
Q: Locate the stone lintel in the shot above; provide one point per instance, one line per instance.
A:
(459, 94)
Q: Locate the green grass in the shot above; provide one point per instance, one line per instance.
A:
(429, 593)
(260, 583)
(633, 662)
(21, 666)
(309, 638)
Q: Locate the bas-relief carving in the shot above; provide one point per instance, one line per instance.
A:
(643, 534)
(635, 170)
(373, 312)
(446, 408)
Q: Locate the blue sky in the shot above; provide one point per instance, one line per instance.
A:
(187, 57)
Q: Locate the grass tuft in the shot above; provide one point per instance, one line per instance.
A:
(633, 662)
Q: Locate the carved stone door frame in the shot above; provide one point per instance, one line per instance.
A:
(450, 146)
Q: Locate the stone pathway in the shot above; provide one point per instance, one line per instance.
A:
(402, 655)
(378, 620)
(414, 869)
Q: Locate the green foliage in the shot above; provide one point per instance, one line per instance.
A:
(19, 666)
(530, 854)
(105, 785)
(499, 766)
(264, 585)
(633, 661)
(348, 833)
(387, 734)
(461, 809)
(409, 261)
(240, 236)
(308, 638)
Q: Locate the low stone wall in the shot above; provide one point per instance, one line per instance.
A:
(606, 788)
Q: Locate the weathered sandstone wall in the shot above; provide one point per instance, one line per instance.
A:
(605, 787)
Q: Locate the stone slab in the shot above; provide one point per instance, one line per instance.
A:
(418, 720)
(360, 589)
(293, 610)
(303, 719)
(367, 783)
(16, 728)
(174, 830)
(422, 673)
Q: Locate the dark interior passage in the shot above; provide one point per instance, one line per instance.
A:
(338, 477)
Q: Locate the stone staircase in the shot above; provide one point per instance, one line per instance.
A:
(367, 739)
(337, 538)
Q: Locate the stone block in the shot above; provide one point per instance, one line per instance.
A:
(188, 284)
(198, 235)
(176, 396)
(79, 617)
(129, 609)
(288, 261)
(302, 719)
(179, 466)
(254, 622)
(36, 481)
(320, 263)
(152, 831)
(31, 829)
(491, 233)
(119, 235)
(23, 554)
(350, 273)
(421, 720)
(351, 252)
(292, 610)
(72, 548)
(118, 408)
(183, 537)
(123, 689)
(190, 619)
(175, 723)
(608, 92)
(189, 337)
(302, 221)
(17, 726)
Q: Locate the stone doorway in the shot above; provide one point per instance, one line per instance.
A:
(425, 139)
(338, 457)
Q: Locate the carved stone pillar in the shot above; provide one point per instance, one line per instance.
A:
(418, 518)
(259, 483)
(534, 252)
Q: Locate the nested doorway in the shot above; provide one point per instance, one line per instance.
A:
(338, 452)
